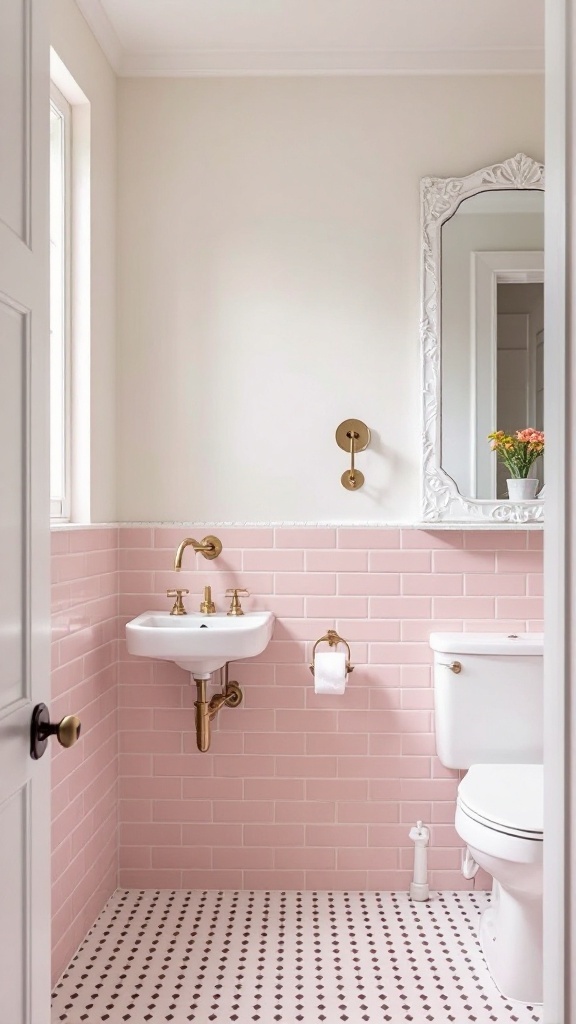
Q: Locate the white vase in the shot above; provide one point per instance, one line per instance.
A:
(523, 489)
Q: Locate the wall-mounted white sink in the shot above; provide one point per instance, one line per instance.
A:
(201, 644)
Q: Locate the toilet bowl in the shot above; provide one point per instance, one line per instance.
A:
(488, 712)
(499, 816)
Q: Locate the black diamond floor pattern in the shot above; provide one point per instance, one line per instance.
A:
(284, 957)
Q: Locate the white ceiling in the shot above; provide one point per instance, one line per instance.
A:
(144, 37)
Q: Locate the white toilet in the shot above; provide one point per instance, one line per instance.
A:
(488, 691)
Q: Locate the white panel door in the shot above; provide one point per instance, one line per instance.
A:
(24, 510)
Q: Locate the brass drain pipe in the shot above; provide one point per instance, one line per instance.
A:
(206, 710)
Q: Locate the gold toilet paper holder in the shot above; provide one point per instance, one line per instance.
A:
(333, 639)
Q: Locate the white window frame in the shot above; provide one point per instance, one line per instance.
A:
(60, 507)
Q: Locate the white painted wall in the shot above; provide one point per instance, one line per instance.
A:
(269, 283)
(77, 48)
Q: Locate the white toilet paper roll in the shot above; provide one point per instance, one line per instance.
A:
(330, 672)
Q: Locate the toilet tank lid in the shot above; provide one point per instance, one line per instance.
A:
(488, 643)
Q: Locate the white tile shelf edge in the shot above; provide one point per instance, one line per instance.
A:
(425, 526)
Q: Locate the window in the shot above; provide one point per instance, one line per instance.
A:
(60, 307)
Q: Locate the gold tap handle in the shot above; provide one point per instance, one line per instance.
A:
(178, 606)
(235, 606)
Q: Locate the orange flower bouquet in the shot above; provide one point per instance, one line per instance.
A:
(518, 452)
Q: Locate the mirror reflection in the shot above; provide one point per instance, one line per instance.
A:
(492, 330)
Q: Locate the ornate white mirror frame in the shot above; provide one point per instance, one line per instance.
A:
(440, 198)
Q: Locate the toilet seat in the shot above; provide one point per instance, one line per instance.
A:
(499, 819)
(506, 798)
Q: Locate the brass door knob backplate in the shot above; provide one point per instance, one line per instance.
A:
(67, 731)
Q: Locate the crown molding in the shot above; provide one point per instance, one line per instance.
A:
(103, 31)
(223, 63)
(330, 62)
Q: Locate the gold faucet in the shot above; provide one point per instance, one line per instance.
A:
(210, 547)
(207, 606)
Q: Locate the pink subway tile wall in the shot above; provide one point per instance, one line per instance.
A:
(299, 790)
(85, 777)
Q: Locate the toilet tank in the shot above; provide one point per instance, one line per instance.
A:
(491, 711)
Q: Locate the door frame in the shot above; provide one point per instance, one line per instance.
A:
(559, 555)
(489, 269)
(25, 290)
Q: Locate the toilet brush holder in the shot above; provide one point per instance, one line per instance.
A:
(420, 836)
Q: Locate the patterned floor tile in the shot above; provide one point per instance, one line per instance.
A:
(284, 958)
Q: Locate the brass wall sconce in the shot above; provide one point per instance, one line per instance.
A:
(353, 436)
(332, 638)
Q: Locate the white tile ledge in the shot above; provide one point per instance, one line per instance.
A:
(74, 527)
(424, 527)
